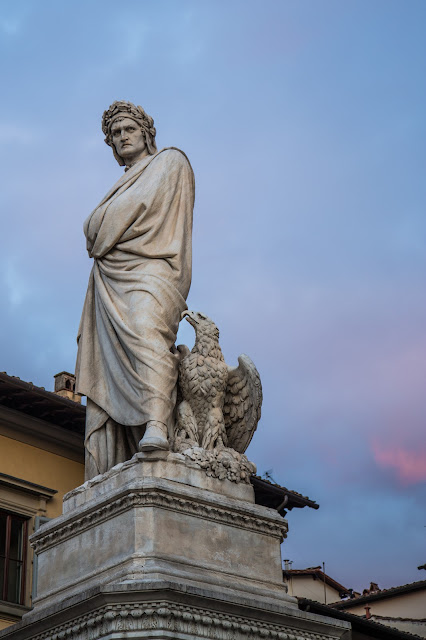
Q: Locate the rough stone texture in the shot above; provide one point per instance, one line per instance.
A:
(158, 464)
(125, 363)
(222, 463)
(163, 610)
(139, 237)
(157, 549)
(132, 526)
(219, 405)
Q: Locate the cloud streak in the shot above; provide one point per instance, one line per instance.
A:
(408, 466)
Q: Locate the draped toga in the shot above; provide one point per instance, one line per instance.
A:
(127, 365)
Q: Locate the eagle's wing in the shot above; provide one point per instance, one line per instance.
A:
(243, 401)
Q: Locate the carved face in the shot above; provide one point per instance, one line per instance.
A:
(128, 140)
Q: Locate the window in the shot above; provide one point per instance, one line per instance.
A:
(13, 543)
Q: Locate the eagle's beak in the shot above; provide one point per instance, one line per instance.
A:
(189, 315)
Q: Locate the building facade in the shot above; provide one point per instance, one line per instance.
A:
(314, 584)
(402, 607)
(41, 459)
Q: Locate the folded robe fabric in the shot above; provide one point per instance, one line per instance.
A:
(140, 239)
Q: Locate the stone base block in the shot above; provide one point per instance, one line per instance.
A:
(157, 517)
(158, 610)
(155, 549)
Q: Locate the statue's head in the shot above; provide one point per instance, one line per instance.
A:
(122, 111)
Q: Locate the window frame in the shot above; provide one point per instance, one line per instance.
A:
(4, 587)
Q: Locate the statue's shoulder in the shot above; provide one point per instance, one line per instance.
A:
(173, 155)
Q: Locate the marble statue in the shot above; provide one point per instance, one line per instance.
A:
(218, 406)
(139, 237)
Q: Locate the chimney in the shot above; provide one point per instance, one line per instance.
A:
(367, 612)
(287, 564)
(65, 386)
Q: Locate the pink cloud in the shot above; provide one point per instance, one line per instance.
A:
(410, 466)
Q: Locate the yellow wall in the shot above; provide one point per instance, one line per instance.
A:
(41, 467)
(30, 463)
(405, 605)
(4, 624)
(308, 587)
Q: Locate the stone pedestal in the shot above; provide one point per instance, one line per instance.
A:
(157, 549)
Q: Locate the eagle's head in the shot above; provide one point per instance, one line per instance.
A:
(201, 323)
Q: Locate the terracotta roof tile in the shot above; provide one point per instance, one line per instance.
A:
(369, 628)
(30, 399)
(317, 573)
(380, 595)
(277, 497)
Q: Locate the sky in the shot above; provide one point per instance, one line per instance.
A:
(304, 121)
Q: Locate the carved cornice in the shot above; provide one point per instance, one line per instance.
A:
(160, 499)
(118, 620)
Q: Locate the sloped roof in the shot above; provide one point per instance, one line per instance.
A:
(380, 595)
(369, 628)
(272, 495)
(316, 572)
(35, 401)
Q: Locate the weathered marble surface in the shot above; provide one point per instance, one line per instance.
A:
(157, 464)
(171, 524)
(156, 549)
(218, 405)
(139, 237)
(161, 610)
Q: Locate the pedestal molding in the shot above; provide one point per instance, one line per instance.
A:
(171, 620)
(151, 497)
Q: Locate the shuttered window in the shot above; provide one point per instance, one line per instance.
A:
(13, 544)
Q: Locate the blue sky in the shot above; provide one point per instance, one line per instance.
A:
(304, 122)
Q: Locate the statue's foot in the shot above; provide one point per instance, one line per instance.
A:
(155, 437)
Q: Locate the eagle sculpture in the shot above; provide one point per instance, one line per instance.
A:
(218, 406)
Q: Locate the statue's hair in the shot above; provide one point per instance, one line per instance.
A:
(123, 109)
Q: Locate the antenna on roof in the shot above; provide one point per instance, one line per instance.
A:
(325, 592)
(268, 475)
